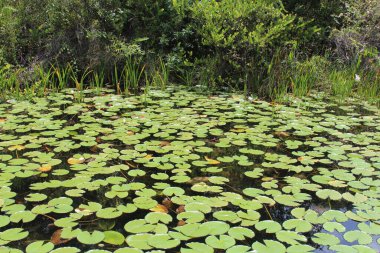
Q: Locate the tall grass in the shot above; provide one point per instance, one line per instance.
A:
(370, 87)
(188, 76)
(277, 81)
(360, 79)
(9, 82)
(303, 81)
(43, 77)
(160, 76)
(115, 79)
(286, 76)
(132, 74)
(80, 83)
(61, 77)
(342, 83)
(97, 81)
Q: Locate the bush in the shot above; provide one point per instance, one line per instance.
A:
(243, 33)
(360, 31)
(8, 33)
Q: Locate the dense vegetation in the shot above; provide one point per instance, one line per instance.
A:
(265, 47)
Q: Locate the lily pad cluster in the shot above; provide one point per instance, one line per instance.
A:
(178, 171)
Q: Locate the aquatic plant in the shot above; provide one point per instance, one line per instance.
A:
(177, 171)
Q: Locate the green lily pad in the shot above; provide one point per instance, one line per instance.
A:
(154, 218)
(300, 226)
(357, 235)
(108, 213)
(113, 237)
(325, 239)
(4, 220)
(139, 241)
(268, 226)
(128, 250)
(13, 234)
(86, 237)
(222, 242)
(329, 194)
(196, 247)
(291, 237)
(66, 250)
(334, 226)
(216, 227)
(138, 226)
(163, 241)
(40, 247)
(300, 249)
(24, 216)
(269, 246)
(241, 233)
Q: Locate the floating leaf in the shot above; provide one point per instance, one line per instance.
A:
(66, 250)
(56, 238)
(16, 147)
(128, 250)
(211, 161)
(138, 226)
(325, 239)
(39, 247)
(191, 216)
(13, 234)
(269, 246)
(269, 226)
(160, 209)
(357, 235)
(290, 237)
(216, 227)
(86, 237)
(45, 168)
(73, 161)
(222, 242)
(154, 218)
(226, 216)
(197, 206)
(300, 226)
(334, 226)
(329, 194)
(196, 247)
(300, 249)
(113, 237)
(4, 220)
(24, 216)
(239, 249)
(139, 241)
(108, 213)
(241, 233)
(163, 241)
(36, 197)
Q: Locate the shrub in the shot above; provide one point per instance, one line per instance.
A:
(244, 33)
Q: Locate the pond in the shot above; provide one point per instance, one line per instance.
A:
(178, 171)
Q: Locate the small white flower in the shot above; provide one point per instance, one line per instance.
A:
(357, 78)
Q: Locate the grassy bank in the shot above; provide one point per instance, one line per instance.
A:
(284, 79)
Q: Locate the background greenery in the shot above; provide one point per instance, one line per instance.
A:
(265, 47)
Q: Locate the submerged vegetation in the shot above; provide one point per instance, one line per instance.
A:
(177, 171)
